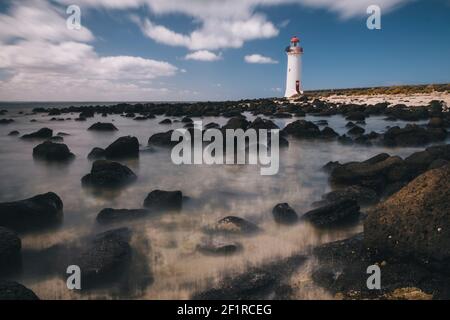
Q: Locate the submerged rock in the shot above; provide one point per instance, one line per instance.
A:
(108, 174)
(166, 121)
(302, 129)
(218, 246)
(109, 215)
(164, 200)
(162, 139)
(233, 224)
(414, 221)
(96, 154)
(44, 133)
(51, 151)
(284, 214)
(345, 211)
(40, 210)
(11, 290)
(103, 126)
(124, 147)
(14, 133)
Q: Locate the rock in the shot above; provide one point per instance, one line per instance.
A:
(103, 126)
(11, 290)
(186, 120)
(362, 195)
(96, 153)
(166, 121)
(105, 257)
(260, 123)
(108, 174)
(124, 147)
(344, 211)
(438, 163)
(345, 140)
(40, 210)
(217, 246)
(14, 133)
(415, 221)
(10, 246)
(212, 125)
(50, 151)
(62, 134)
(57, 139)
(162, 139)
(436, 122)
(409, 293)
(328, 133)
(237, 123)
(232, 224)
(43, 133)
(350, 124)
(302, 129)
(356, 116)
(329, 166)
(109, 215)
(164, 200)
(284, 214)
(6, 121)
(356, 130)
(412, 135)
(87, 114)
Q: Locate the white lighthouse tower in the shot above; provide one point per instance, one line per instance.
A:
(294, 68)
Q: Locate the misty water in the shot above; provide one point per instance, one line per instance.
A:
(166, 264)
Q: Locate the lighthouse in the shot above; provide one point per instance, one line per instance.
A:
(294, 68)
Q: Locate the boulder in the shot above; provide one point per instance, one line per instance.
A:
(10, 246)
(260, 123)
(166, 121)
(40, 210)
(51, 151)
(103, 126)
(14, 133)
(284, 214)
(109, 215)
(6, 121)
(237, 123)
(413, 135)
(108, 174)
(164, 200)
(436, 122)
(334, 214)
(362, 195)
(302, 129)
(162, 139)
(44, 133)
(218, 246)
(124, 147)
(328, 133)
(233, 224)
(415, 221)
(356, 130)
(11, 290)
(96, 154)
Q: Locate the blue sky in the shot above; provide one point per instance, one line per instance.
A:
(134, 50)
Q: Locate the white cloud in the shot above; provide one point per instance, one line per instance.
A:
(257, 58)
(203, 55)
(51, 62)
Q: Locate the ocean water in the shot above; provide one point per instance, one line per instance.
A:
(166, 264)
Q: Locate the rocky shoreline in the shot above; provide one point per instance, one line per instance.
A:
(405, 200)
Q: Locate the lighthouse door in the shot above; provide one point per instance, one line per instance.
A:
(297, 86)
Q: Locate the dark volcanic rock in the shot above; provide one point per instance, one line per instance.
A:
(43, 133)
(109, 215)
(105, 257)
(232, 224)
(328, 133)
(362, 195)
(356, 130)
(103, 126)
(344, 211)
(6, 121)
(302, 129)
(415, 221)
(10, 290)
(217, 246)
(40, 210)
(124, 147)
(10, 246)
(284, 214)
(237, 123)
(51, 151)
(260, 123)
(164, 200)
(162, 139)
(108, 174)
(14, 133)
(413, 135)
(96, 154)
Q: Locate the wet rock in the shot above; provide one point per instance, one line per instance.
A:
(103, 126)
(124, 147)
(356, 116)
(162, 139)
(87, 114)
(10, 246)
(237, 123)
(350, 124)
(260, 123)
(413, 135)
(233, 224)
(40, 210)
(356, 130)
(43, 133)
(6, 121)
(284, 214)
(108, 174)
(110, 215)
(50, 151)
(11, 290)
(218, 246)
(436, 122)
(164, 200)
(57, 139)
(282, 115)
(362, 195)
(329, 166)
(337, 213)
(14, 133)
(345, 140)
(105, 258)
(328, 133)
(212, 125)
(438, 163)
(415, 221)
(186, 120)
(96, 154)
(62, 134)
(166, 121)
(302, 129)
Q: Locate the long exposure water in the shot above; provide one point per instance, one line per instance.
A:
(167, 264)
